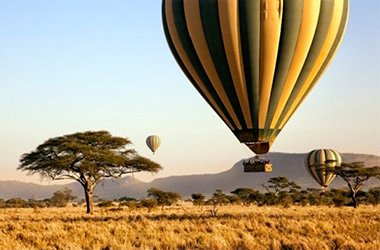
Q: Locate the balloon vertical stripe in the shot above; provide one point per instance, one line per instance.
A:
(271, 21)
(210, 18)
(188, 58)
(196, 31)
(229, 24)
(308, 25)
(289, 36)
(319, 38)
(250, 50)
(338, 40)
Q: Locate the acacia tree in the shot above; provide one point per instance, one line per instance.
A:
(87, 157)
(163, 198)
(355, 174)
(198, 199)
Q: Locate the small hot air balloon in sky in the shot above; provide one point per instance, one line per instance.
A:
(254, 61)
(319, 164)
(153, 142)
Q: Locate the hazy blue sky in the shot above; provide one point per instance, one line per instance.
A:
(68, 66)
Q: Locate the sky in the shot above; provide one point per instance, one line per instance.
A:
(68, 66)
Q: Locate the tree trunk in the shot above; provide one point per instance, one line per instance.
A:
(354, 200)
(88, 196)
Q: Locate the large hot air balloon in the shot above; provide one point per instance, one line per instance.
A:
(318, 163)
(153, 142)
(254, 61)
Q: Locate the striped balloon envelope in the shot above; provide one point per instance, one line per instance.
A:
(153, 142)
(254, 61)
(318, 163)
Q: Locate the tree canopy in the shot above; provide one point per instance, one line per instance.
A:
(278, 184)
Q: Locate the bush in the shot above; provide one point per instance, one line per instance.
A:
(105, 204)
(61, 198)
(125, 198)
(148, 203)
(284, 199)
(15, 202)
(373, 196)
(130, 204)
(339, 197)
(35, 203)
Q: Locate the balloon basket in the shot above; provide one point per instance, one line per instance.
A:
(257, 165)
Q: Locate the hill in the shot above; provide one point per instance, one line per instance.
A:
(289, 165)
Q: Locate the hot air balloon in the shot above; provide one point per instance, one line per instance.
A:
(318, 163)
(153, 142)
(254, 61)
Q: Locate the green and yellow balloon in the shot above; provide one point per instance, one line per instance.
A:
(320, 163)
(254, 61)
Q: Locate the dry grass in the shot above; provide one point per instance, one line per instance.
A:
(185, 227)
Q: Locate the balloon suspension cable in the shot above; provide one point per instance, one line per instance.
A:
(247, 151)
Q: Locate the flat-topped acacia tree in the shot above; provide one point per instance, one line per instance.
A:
(87, 157)
(355, 174)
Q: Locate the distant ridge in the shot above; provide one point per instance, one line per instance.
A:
(290, 165)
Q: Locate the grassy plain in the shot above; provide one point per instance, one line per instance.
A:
(188, 227)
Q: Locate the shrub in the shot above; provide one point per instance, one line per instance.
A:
(105, 204)
(15, 202)
(130, 204)
(148, 203)
(373, 196)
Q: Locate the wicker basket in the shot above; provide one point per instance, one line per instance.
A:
(257, 167)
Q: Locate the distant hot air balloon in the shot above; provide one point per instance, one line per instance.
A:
(318, 163)
(254, 61)
(153, 142)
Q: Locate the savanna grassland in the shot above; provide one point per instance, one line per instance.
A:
(189, 227)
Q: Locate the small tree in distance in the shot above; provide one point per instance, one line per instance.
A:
(198, 199)
(355, 174)
(61, 198)
(148, 203)
(218, 198)
(86, 157)
(244, 195)
(163, 198)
